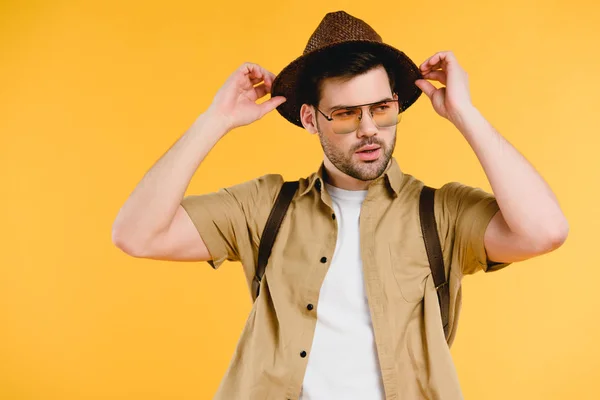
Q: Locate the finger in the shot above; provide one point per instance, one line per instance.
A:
(244, 81)
(251, 72)
(437, 75)
(434, 59)
(257, 74)
(249, 75)
(426, 87)
(270, 105)
(434, 65)
(424, 64)
(255, 71)
(261, 90)
(438, 60)
(269, 78)
(254, 81)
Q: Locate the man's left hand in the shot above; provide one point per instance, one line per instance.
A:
(452, 100)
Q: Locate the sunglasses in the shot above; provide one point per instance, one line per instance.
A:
(345, 120)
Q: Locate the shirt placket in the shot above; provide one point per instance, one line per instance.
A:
(307, 302)
(370, 213)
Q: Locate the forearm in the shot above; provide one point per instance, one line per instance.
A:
(527, 203)
(153, 203)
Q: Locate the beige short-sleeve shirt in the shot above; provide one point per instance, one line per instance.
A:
(414, 357)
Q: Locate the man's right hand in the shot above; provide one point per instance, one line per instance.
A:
(235, 102)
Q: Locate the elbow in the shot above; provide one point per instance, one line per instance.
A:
(558, 234)
(124, 244)
(552, 237)
(120, 242)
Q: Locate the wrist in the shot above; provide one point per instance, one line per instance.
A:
(465, 118)
(213, 123)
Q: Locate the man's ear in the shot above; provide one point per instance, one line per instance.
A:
(308, 118)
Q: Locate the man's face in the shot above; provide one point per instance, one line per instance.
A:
(344, 151)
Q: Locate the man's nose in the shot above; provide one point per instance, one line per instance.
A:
(367, 126)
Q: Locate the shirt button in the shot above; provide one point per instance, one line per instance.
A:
(303, 354)
(309, 307)
(323, 260)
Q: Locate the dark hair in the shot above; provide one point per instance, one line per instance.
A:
(342, 62)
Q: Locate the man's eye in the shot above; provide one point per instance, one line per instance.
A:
(345, 113)
(380, 108)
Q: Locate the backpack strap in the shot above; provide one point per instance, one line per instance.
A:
(284, 198)
(434, 252)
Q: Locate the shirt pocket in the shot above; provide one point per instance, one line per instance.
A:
(410, 269)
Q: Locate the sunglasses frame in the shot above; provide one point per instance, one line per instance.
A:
(330, 118)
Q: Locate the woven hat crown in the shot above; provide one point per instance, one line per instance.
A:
(339, 27)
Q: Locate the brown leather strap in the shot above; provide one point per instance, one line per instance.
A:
(434, 252)
(284, 198)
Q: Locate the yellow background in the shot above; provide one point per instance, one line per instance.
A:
(93, 93)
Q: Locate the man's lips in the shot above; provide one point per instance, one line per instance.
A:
(369, 147)
(369, 153)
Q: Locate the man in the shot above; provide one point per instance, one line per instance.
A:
(347, 306)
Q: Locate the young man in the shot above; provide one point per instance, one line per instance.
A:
(347, 307)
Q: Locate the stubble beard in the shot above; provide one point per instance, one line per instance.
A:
(361, 170)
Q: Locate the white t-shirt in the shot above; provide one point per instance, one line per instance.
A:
(343, 360)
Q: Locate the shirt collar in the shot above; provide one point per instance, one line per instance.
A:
(393, 177)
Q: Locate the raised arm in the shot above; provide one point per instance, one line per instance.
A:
(152, 222)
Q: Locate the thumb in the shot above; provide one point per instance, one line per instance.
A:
(426, 87)
(271, 104)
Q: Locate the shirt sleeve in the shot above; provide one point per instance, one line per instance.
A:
(230, 221)
(465, 214)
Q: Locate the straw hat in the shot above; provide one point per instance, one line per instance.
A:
(339, 31)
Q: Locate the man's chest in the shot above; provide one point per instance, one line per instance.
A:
(377, 245)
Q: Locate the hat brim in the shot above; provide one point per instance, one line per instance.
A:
(405, 70)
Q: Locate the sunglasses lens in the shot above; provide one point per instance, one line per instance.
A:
(386, 114)
(345, 120)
